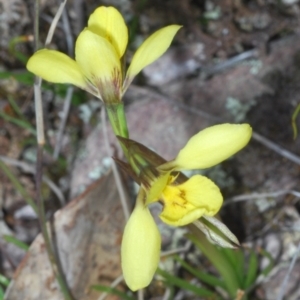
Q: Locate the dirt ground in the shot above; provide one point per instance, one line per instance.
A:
(232, 61)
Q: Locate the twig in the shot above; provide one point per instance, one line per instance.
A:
(68, 32)
(36, 24)
(287, 276)
(62, 125)
(39, 115)
(78, 9)
(116, 173)
(113, 284)
(54, 22)
(254, 196)
(231, 62)
(39, 164)
(276, 148)
(70, 90)
(185, 248)
(167, 294)
(140, 294)
(30, 169)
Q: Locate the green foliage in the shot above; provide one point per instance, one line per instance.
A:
(26, 78)
(238, 271)
(11, 239)
(23, 77)
(113, 291)
(294, 117)
(12, 46)
(17, 185)
(19, 120)
(185, 285)
(4, 282)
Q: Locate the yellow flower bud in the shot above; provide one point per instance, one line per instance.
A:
(140, 248)
(212, 145)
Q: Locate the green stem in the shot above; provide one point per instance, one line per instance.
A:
(117, 118)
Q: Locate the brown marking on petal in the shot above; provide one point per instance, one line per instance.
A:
(110, 89)
(92, 86)
(174, 203)
(117, 79)
(182, 195)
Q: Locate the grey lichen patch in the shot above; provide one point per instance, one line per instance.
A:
(238, 109)
(87, 110)
(100, 170)
(212, 12)
(95, 173)
(255, 65)
(263, 204)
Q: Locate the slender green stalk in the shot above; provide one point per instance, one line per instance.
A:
(117, 118)
(118, 180)
(294, 117)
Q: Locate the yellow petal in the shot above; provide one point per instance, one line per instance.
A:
(212, 145)
(155, 191)
(151, 49)
(109, 24)
(187, 202)
(140, 248)
(98, 59)
(56, 67)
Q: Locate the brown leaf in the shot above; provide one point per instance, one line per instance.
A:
(88, 234)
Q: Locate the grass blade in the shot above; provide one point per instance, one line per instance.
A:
(270, 266)
(201, 292)
(206, 278)
(20, 123)
(220, 262)
(4, 281)
(111, 290)
(12, 240)
(252, 270)
(18, 186)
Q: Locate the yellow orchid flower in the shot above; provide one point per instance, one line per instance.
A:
(99, 49)
(182, 203)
